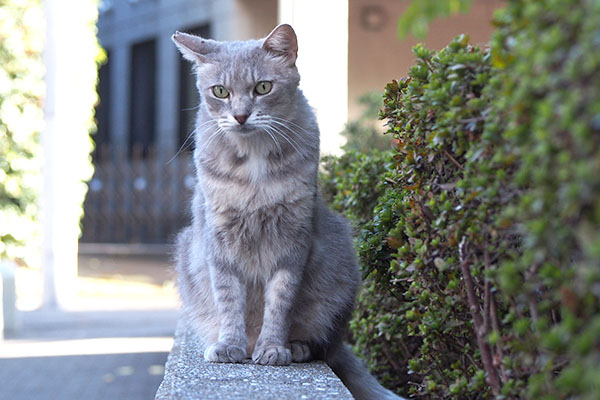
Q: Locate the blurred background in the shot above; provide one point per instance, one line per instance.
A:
(96, 112)
(148, 99)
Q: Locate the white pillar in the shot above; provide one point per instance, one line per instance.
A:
(168, 98)
(9, 317)
(68, 58)
(223, 15)
(322, 29)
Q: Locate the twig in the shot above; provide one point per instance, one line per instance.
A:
(486, 355)
(529, 274)
(486, 306)
(452, 159)
(498, 359)
(496, 327)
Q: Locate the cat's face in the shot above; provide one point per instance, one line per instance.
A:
(246, 88)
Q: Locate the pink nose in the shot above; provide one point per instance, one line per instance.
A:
(241, 118)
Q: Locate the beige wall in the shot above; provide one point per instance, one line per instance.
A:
(378, 56)
(254, 19)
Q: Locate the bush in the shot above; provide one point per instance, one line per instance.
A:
(21, 120)
(547, 108)
(363, 134)
(21, 90)
(479, 233)
(412, 299)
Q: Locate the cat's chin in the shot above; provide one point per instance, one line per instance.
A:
(244, 131)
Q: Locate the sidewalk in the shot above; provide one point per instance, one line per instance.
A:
(111, 343)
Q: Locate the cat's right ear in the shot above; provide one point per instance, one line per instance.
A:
(283, 42)
(194, 48)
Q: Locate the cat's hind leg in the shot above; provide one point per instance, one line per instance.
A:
(300, 351)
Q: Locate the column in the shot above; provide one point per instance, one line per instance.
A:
(322, 29)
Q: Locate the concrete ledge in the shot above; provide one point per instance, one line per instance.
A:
(122, 249)
(189, 377)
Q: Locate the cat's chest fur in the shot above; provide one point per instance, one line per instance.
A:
(256, 210)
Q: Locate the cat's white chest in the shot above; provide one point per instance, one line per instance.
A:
(255, 168)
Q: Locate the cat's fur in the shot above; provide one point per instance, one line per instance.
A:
(265, 269)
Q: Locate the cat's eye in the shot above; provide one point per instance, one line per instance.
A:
(263, 87)
(220, 91)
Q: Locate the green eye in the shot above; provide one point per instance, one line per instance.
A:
(263, 87)
(220, 91)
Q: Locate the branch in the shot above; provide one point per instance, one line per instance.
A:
(499, 356)
(498, 362)
(453, 159)
(480, 333)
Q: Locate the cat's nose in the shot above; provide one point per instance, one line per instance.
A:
(241, 118)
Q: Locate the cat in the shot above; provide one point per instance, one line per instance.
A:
(265, 269)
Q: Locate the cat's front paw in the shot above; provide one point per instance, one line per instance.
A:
(272, 355)
(224, 353)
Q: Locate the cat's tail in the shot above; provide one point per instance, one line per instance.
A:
(355, 375)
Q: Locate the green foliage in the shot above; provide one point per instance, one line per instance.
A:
(410, 246)
(353, 182)
(479, 233)
(364, 134)
(548, 112)
(419, 13)
(21, 120)
(21, 90)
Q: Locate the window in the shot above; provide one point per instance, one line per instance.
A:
(102, 112)
(142, 117)
(188, 94)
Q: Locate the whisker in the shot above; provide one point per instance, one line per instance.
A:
(294, 136)
(292, 123)
(186, 143)
(266, 128)
(219, 131)
(287, 140)
(191, 109)
(297, 135)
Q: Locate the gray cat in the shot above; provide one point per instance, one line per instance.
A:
(265, 269)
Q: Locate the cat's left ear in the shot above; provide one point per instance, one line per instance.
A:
(282, 42)
(194, 48)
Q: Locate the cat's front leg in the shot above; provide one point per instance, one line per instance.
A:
(272, 345)
(229, 293)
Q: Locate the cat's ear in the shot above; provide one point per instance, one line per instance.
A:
(194, 48)
(283, 43)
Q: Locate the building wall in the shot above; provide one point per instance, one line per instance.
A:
(376, 55)
(253, 18)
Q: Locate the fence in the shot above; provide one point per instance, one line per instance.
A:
(137, 200)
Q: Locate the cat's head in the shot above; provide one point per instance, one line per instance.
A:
(245, 86)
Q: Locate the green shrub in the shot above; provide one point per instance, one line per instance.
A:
(547, 109)
(411, 322)
(479, 234)
(21, 90)
(21, 121)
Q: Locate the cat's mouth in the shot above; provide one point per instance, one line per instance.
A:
(244, 130)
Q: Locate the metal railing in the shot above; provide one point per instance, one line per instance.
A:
(137, 200)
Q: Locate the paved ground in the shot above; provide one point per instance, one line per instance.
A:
(112, 343)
